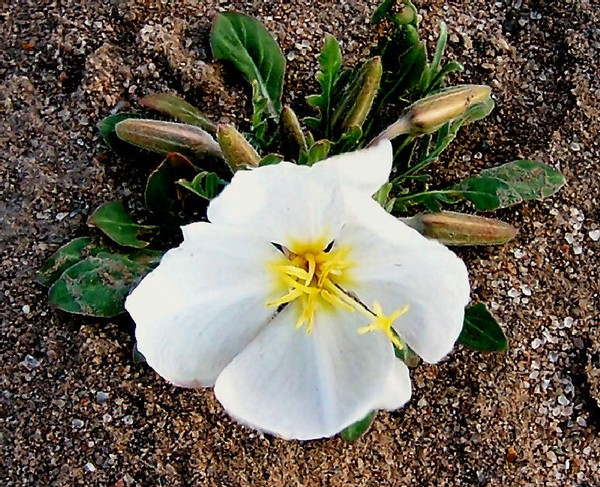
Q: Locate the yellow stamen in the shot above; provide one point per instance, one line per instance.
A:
(385, 323)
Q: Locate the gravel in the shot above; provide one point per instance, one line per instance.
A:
(77, 409)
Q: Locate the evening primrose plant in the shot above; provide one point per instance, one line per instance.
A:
(311, 269)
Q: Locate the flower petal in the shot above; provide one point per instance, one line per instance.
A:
(282, 203)
(305, 386)
(396, 266)
(365, 170)
(203, 304)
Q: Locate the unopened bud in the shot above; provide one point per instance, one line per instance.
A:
(357, 103)
(427, 115)
(453, 228)
(165, 137)
(178, 108)
(291, 131)
(430, 113)
(237, 150)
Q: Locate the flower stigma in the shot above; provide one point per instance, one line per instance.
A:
(313, 275)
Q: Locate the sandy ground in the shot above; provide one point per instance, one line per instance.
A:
(76, 409)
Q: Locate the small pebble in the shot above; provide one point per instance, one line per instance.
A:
(90, 467)
(594, 235)
(101, 397)
(26, 309)
(77, 423)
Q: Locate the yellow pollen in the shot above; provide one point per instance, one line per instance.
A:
(312, 278)
(385, 323)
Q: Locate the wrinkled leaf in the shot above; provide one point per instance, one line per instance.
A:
(356, 430)
(245, 42)
(65, 257)
(348, 141)
(161, 194)
(178, 108)
(481, 331)
(510, 184)
(330, 63)
(118, 225)
(96, 286)
(205, 185)
(260, 121)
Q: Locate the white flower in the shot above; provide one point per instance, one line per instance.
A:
(290, 300)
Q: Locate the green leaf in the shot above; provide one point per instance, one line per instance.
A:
(112, 140)
(161, 194)
(481, 331)
(317, 152)
(270, 159)
(348, 141)
(260, 123)
(330, 63)
(356, 430)
(178, 108)
(245, 42)
(440, 47)
(65, 257)
(96, 286)
(118, 225)
(205, 185)
(384, 11)
(510, 184)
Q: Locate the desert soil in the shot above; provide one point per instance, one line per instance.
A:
(77, 410)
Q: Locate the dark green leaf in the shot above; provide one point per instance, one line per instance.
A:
(330, 63)
(510, 184)
(250, 47)
(161, 194)
(348, 141)
(65, 257)
(118, 225)
(205, 185)
(260, 122)
(384, 11)
(96, 286)
(356, 430)
(178, 108)
(481, 331)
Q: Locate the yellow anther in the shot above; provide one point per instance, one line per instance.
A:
(385, 323)
(312, 276)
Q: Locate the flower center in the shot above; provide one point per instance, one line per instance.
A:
(313, 277)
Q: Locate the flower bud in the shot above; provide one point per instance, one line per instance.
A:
(427, 115)
(451, 228)
(430, 113)
(237, 150)
(165, 137)
(291, 131)
(357, 103)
